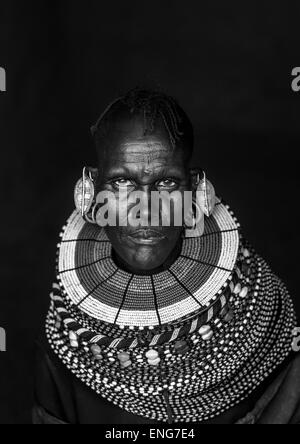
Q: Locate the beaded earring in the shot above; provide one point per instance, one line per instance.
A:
(204, 202)
(84, 193)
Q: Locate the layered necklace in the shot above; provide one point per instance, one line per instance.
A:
(183, 345)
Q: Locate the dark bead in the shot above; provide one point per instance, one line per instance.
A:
(246, 269)
(224, 311)
(229, 316)
(181, 347)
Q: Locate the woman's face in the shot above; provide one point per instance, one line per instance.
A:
(130, 163)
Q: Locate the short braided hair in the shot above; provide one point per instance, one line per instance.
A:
(152, 106)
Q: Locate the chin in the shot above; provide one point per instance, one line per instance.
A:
(146, 260)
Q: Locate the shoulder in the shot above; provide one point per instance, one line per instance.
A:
(46, 362)
(53, 387)
(280, 404)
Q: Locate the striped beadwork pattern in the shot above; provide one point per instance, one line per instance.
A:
(85, 331)
(195, 364)
(208, 371)
(91, 281)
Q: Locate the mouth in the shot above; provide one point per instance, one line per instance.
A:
(146, 237)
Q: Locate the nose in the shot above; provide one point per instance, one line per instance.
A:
(139, 213)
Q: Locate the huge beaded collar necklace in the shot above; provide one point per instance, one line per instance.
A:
(92, 281)
(183, 345)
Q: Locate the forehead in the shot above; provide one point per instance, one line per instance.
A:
(140, 158)
(130, 149)
(147, 150)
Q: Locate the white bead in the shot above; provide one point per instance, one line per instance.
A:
(126, 364)
(246, 253)
(154, 362)
(205, 330)
(152, 355)
(208, 336)
(239, 273)
(95, 349)
(237, 289)
(72, 336)
(244, 292)
(123, 357)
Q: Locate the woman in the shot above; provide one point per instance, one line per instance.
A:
(161, 323)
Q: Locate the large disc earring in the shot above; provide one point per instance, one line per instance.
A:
(84, 193)
(204, 201)
(206, 196)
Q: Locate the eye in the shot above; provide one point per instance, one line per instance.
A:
(122, 183)
(167, 184)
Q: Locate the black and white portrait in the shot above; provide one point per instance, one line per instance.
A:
(149, 215)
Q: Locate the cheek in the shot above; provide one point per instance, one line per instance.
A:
(115, 235)
(119, 208)
(113, 209)
(175, 210)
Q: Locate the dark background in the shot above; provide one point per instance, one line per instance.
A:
(228, 63)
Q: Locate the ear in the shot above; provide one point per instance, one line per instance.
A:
(94, 173)
(196, 175)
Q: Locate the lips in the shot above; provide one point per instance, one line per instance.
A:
(146, 236)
